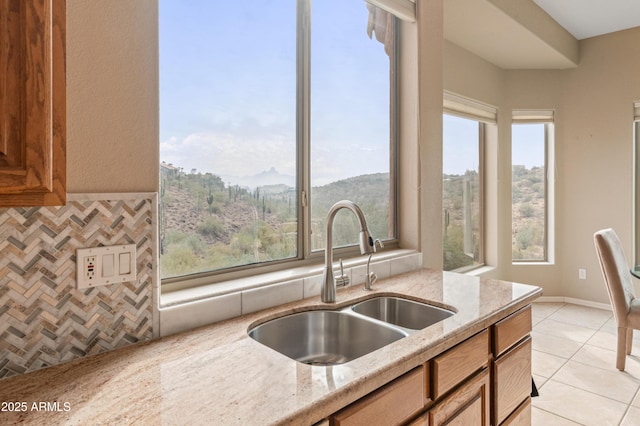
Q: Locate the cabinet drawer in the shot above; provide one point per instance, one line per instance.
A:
(512, 380)
(392, 404)
(511, 330)
(460, 362)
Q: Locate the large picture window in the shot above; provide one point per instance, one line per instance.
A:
(270, 112)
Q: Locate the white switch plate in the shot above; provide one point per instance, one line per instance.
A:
(102, 265)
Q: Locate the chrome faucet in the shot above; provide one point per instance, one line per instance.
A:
(367, 246)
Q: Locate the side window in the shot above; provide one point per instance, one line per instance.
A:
(466, 126)
(462, 200)
(531, 150)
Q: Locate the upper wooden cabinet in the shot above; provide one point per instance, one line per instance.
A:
(32, 103)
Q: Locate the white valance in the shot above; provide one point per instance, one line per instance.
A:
(533, 116)
(403, 9)
(636, 111)
(461, 106)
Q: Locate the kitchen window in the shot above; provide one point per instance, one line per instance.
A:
(270, 112)
(531, 186)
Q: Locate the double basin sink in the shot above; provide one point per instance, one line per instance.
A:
(331, 337)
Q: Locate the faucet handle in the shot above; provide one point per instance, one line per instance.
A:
(342, 280)
(378, 242)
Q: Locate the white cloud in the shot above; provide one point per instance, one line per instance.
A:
(227, 154)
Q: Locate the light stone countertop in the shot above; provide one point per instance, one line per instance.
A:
(218, 375)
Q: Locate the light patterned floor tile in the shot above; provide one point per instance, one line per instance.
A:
(544, 309)
(544, 418)
(546, 365)
(565, 331)
(558, 346)
(579, 405)
(632, 418)
(582, 315)
(611, 384)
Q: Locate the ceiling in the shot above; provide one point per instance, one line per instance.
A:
(534, 34)
(590, 18)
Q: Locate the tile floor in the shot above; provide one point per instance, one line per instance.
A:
(574, 368)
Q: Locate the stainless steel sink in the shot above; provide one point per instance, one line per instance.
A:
(324, 337)
(402, 312)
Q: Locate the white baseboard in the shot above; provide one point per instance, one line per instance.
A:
(581, 302)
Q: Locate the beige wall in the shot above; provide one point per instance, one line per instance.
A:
(594, 146)
(596, 155)
(112, 96)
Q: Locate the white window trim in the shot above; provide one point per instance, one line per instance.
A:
(461, 106)
(402, 9)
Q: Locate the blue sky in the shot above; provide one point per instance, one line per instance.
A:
(460, 145)
(228, 86)
(527, 145)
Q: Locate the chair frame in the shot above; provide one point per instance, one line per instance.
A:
(617, 277)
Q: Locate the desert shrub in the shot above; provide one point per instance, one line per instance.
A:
(211, 227)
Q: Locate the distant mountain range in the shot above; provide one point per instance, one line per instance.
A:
(265, 178)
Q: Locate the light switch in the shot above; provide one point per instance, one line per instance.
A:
(107, 265)
(125, 264)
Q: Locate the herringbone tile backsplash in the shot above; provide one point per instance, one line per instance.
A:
(44, 318)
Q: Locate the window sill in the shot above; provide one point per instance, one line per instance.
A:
(532, 263)
(185, 309)
(483, 270)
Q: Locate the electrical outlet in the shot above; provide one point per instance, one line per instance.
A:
(582, 274)
(90, 267)
(105, 265)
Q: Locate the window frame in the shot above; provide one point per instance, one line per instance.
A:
(305, 255)
(546, 117)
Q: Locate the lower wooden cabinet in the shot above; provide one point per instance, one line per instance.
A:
(485, 380)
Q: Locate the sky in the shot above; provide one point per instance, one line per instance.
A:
(228, 87)
(460, 145)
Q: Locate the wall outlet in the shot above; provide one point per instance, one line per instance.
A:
(105, 265)
(89, 264)
(582, 274)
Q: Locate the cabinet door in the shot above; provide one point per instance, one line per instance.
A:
(466, 406)
(32, 103)
(512, 380)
